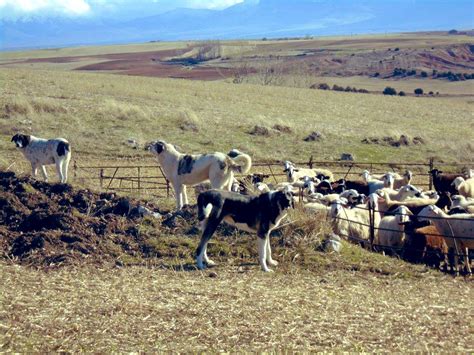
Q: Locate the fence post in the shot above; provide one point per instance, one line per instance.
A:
(431, 163)
(372, 224)
(310, 162)
(101, 178)
(75, 168)
(139, 182)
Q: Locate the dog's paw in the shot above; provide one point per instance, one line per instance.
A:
(210, 263)
(272, 262)
(268, 270)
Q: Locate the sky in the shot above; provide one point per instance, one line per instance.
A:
(13, 9)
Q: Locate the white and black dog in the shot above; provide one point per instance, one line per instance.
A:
(184, 169)
(41, 152)
(256, 214)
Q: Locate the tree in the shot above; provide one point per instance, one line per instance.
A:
(418, 91)
(389, 91)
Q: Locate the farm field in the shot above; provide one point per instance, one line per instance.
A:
(104, 282)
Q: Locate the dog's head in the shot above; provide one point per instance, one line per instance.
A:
(284, 199)
(157, 147)
(21, 140)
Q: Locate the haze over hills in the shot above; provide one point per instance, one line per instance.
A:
(249, 19)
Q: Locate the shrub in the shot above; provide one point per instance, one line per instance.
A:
(401, 93)
(418, 91)
(431, 93)
(389, 91)
(424, 74)
(323, 86)
(336, 87)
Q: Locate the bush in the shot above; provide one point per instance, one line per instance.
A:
(401, 93)
(431, 93)
(418, 91)
(323, 86)
(389, 91)
(424, 74)
(336, 87)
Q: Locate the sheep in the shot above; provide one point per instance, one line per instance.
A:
(442, 181)
(390, 232)
(403, 193)
(354, 223)
(459, 201)
(402, 181)
(457, 230)
(368, 176)
(294, 174)
(360, 186)
(386, 204)
(464, 187)
(376, 184)
(424, 244)
(316, 207)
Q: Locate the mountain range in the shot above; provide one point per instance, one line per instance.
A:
(246, 20)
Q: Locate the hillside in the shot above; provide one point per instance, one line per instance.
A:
(100, 112)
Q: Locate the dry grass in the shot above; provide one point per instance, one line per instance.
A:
(143, 309)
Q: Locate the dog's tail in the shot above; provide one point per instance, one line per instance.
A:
(241, 161)
(207, 206)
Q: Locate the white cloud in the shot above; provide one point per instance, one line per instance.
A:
(31, 7)
(102, 8)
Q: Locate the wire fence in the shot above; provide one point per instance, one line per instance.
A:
(150, 179)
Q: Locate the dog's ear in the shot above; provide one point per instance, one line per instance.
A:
(159, 147)
(15, 137)
(26, 139)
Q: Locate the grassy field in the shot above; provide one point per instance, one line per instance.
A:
(239, 309)
(102, 111)
(353, 301)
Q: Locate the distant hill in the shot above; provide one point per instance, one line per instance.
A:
(250, 19)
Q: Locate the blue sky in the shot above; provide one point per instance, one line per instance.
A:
(13, 9)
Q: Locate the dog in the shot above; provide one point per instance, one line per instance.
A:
(256, 214)
(184, 169)
(41, 152)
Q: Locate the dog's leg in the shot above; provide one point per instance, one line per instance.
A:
(45, 175)
(201, 251)
(34, 170)
(262, 257)
(185, 196)
(65, 166)
(179, 196)
(208, 261)
(59, 171)
(270, 261)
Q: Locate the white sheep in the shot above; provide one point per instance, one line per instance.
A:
(354, 223)
(376, 184)
(457, 230)
(398, 182)
(459, 201)
(464, 187)
(294, 174)
(391, 232)
(403, 193)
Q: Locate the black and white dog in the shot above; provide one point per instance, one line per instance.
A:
(41, 152)
(256, 214)
(185, 169)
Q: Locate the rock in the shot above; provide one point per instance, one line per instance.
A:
(347, 157)
(282, 128)
(314, 136)
(212, 274)
(260, 131)
(418, 140)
